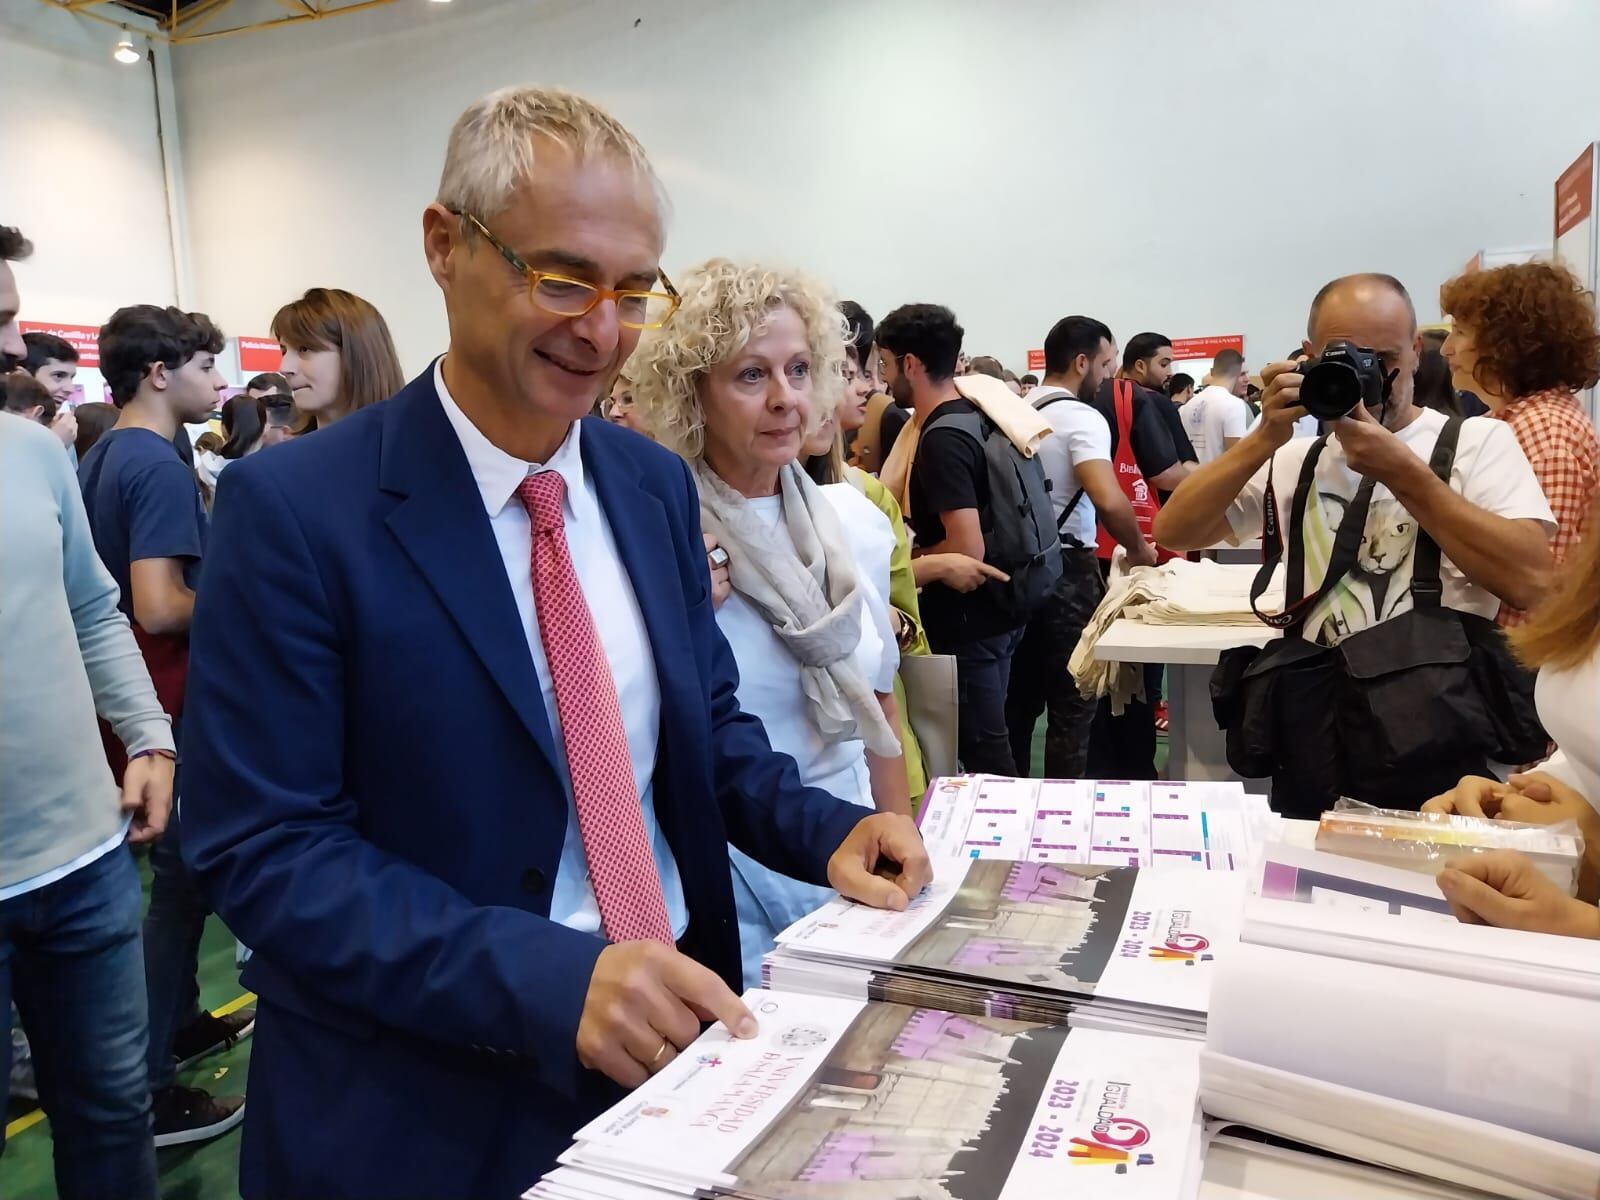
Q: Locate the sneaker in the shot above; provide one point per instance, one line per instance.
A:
(207, 1035)
(184, 1115)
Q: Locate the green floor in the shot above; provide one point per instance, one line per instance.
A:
(210, 1171)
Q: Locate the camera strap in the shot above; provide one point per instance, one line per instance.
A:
(1346, 544)
(1426, 590)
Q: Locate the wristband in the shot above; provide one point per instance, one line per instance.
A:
(166, 754)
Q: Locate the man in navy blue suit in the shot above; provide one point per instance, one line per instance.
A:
(463, 753)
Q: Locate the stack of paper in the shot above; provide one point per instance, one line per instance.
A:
(1196, 826)
(844, 1099)
(1112, 948)
(1351, 1018)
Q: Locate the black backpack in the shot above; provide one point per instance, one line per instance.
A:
(1022, 538)
(1392, 715)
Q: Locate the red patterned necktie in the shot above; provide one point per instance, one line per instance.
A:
(622, 868)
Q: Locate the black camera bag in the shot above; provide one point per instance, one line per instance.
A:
(1392, 714)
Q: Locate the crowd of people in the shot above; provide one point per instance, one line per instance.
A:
(511, 739)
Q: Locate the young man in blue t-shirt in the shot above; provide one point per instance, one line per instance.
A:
(149, 527)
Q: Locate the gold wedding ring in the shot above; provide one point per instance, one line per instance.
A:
(660, 1052)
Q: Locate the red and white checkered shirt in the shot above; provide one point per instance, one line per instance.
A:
(1555, 434)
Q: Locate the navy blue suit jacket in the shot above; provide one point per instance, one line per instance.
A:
(369, 800)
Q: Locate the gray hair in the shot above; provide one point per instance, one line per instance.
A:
(493, 146)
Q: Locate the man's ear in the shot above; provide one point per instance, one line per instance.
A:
(441, 241)
(158, 376)
(1310, 353)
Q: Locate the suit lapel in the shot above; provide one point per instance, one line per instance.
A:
(442, 527)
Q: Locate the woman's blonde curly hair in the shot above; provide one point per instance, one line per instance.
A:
(724, 305)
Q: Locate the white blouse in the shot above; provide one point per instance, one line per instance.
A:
(769, 677)
(1569, 707)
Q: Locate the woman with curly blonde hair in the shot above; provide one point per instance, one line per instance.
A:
(749, 366)
(1523, 337)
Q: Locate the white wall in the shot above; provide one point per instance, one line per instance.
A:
(1194, 168)
(80, 168)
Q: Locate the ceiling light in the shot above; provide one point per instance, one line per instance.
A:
(125, 53)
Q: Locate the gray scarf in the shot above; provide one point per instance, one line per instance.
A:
(810, 598)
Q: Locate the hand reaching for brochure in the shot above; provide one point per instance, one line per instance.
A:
(882, 862)
(645, 1004)
(1504, 888)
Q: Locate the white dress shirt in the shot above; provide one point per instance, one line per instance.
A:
(618, 623)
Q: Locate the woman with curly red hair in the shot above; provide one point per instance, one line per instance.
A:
(1524, 338)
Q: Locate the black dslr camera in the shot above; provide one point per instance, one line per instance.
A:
(1344, 376)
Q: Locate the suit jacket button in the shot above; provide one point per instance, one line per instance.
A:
(533, 881)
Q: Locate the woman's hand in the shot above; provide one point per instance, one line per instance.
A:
(717, 560)
(1504, 888)
(1540, 799)
(1474, 796)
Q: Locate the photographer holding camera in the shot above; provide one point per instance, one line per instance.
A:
(1392, 499)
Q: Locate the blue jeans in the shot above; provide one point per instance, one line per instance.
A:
(983, 675)
(172, 932)
(69, 954)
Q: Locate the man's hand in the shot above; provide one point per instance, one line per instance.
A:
(963, 573)
(1142, 553)
(1505, 889)
(1474, 796)
(1371, 450)
(1280, 402)
(147, 795)
(65, 427)
(721, 580)
(882, 862)
(645, 1004)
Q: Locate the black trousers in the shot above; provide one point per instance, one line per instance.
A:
(1125, 747)
(983, 669)
(1040, 680)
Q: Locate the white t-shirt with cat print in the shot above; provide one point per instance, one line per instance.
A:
(1490, 471)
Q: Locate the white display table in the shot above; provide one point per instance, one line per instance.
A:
(1196, 748)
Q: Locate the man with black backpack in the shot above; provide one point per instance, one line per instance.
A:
(976, 496)
(1404, 531)
(1078, 354)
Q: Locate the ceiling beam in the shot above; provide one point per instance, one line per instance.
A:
(321, 14)
(184, 24)
(198, 14)
(86, 8)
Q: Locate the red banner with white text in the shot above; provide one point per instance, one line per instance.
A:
(85, 339)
